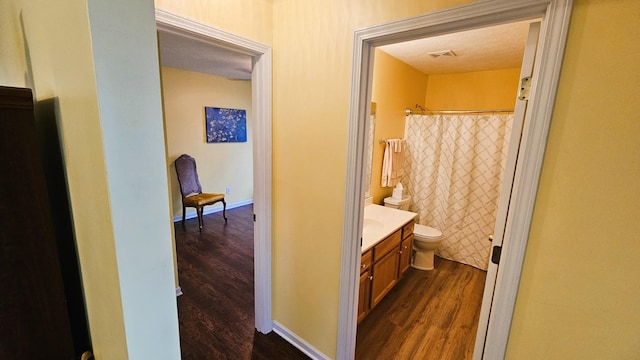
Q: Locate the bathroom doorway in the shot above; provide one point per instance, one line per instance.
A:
(454, 158)
(261, 95)
(501, 287)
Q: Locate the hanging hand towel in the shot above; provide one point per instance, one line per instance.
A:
(392, 162)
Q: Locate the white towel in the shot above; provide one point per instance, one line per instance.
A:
(392, 162)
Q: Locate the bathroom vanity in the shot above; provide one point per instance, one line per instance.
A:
(387, 239)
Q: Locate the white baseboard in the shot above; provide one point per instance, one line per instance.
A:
(211, 210)
(178, 291)
(298, 342)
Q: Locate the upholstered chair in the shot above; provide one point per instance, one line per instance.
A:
(191, 190)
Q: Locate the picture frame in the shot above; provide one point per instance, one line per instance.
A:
(224, 125)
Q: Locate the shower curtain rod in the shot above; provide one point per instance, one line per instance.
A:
(427, 111)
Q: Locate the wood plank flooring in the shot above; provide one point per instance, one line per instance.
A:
(428, 315)
(216, 310)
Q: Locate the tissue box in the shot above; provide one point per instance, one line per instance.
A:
(397, 194)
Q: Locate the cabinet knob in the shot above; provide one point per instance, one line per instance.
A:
(370, 277)
(362, 266)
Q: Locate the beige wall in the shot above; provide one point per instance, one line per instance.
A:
(69, 76)
(589, 190)
(313, 43)
(186, 93)
(83, 53)
(249, 18)
(578, 295)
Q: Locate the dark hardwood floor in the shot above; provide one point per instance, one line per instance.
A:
(428, 315)
(216, 310)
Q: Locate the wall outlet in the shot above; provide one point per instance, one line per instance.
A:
(228, 190)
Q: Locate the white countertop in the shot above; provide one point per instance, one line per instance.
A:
(380, 222)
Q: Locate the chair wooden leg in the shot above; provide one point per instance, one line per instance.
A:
(199, 210)
(224, 210)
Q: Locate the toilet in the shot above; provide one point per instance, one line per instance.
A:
(425, 238)
(425, 241)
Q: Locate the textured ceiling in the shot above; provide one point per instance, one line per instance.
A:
(490, 48)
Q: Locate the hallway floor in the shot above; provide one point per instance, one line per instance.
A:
(216, 311)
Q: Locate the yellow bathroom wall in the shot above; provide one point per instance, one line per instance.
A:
(249, 18)
(479, 90)
(578, 296)
(185, 94)
(396, 86)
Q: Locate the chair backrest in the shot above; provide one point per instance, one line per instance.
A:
(187, 175)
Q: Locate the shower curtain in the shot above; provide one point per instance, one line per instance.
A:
(453, 171)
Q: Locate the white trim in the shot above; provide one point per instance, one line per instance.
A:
(298, 342)
(555, 14)
(178, 291)
(210, 210)
(261, 80)
(544, 85)
(520, 112)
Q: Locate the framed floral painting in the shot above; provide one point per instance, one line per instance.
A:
(225, 125)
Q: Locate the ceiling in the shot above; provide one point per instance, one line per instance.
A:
(194, 55)
(489, 48)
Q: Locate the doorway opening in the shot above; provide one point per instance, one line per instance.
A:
(455, 153)
(260, 75)
(501, 286)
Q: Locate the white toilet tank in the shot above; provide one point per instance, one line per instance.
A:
(401, 204)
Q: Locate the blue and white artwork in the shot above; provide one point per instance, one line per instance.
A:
(225, 125)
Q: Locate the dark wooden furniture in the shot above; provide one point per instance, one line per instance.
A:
(191, 190)
(33, 310)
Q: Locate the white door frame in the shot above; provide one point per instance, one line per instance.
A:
(555, 19)
(261, 104)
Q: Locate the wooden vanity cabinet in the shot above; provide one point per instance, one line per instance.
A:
(386, 258)
(382, 266)
(365, 285)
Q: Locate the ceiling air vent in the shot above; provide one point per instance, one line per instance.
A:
(436, 54)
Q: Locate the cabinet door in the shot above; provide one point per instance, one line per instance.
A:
(385, 275)
(365, 294)
(406, 251)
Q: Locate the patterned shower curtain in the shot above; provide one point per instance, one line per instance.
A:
(453, 171)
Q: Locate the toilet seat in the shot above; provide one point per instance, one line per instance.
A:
(426, 233)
